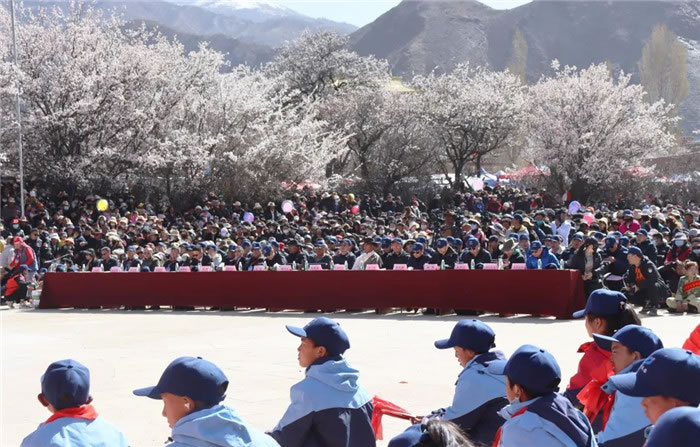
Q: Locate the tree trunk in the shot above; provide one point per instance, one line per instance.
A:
(478, 166)
(459, 185)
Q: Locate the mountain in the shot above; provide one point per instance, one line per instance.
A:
(420, 36)
(252, 10)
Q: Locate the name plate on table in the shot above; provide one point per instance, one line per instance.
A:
(159, 269)
(115, 269)
(185, 268)
(400, 267)
(96, 270)
(490, 266)
(372, 267)
(259, 268)
(315, 267)
(284, 268)
(431, 267)
(339, 267)
(230, 268)
(518, 266)
(205, 268)
(461, 266)
(133, 269)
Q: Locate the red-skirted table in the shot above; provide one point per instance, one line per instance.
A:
(546, 292)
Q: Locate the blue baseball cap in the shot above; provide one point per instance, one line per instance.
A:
(598, 235)
(610, 241)
(634, 337)
(442, 243)
(616, 234)
(386, 242)
(397, 240)
(347, 242)
(624, 241)
(643, 232)
(677, 427)
(669, 372)
(469, 334)
(536, 245)
(603, 302)
(256, 246)
(524, 237)
(417, 247)
(457, 242)
(635, 251)
(518, 217)
(267, 250)
(532, 367)
(422, 239)
(472, 242)
(324, 332)
(232, 247)
(66, 384)
(414, 436)
(192, 377)
(578, 236)
(246, 243)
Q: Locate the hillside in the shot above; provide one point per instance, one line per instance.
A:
(419, 36)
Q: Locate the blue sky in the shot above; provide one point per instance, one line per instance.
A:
(362, 12)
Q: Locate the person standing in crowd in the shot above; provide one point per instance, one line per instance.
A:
(192, 390)
(666, 379)
(647, 288)
(444, 256)
(624, 420)
(540, 258)
(74, 422)
(587, 260)
(680, 250)
(538, 416)
(328, 407)
(606, 312)
(479, 395)
(687, 298)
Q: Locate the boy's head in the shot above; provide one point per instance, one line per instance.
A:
(188, 384)
(629, 344)
(322, 337)
(469, 338)
(668, 378)
(530, 372)
(65, 384)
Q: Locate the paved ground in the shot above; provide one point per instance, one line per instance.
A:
(127, 350)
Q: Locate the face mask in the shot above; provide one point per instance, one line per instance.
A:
(539, 222)
(66, 208)
(15, 226)
(679, 243)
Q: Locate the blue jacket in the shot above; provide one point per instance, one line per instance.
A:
(478, 398)
(547, 259)
(219, 426)
(76, 432)
(627, 422)
(550, 421)
(328, 409)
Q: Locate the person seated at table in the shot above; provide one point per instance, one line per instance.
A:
(397, 255)
(538, 416)
(540, 258)
(434, 433)
(687, 297)
(294, 255)
(474, 254)
(272, 258)
(587, 260)
(511, 254)
(615, 263)
(107, 262)
(328, 407)
(524, 243)
(624, 421)
(131, 259)
(192, 390)
(444, 255)
(255, 257)
(479, 395)
(576, 242)
(369, 255)
(320, 256)
(65, 392)
(418, 257)
(345, 257)
(232, 255)
(556, 249)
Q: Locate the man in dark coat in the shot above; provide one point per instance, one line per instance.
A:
(645, 284)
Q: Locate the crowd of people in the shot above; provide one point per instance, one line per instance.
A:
(629, 391)
(650, 252)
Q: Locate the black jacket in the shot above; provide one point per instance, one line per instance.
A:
(450, 258)
(648, 250)
(515, 258)
(578, 262)
(650, 285)
(392, 259)
(418, 263)
(483, 257)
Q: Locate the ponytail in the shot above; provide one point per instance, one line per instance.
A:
(444, 433)
(614, 323)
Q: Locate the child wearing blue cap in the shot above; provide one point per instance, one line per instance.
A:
(65, 392)
(624, 421)
(192, 390)
(479, 395)
(677, 427)
(328, 407)
(668, 378)
(537, 415)
(606, 312)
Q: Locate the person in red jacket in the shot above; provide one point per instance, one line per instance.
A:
(680, 250)
(692, 344)
(17, 286)
(606, 311)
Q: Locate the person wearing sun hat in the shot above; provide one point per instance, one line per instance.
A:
(624, 422)
(538, 416)
(65, 392)
(192, 390)
(328, 407)
(677, 427)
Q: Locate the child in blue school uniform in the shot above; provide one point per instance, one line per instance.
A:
(192, 390)
(65, 392)
(538, 416)
(479, 395)
(677, 427)
(624, 421)
(328, 407)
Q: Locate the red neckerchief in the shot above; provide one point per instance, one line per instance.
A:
(82, 412)
(497, 439)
